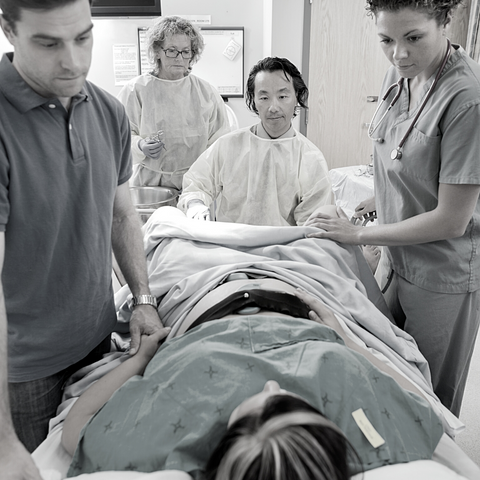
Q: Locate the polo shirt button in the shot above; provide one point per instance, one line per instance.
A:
(70, 127)
(52, 105)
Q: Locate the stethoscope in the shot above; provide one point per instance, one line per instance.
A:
(396, 153)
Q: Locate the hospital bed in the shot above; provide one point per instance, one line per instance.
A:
(187, 259)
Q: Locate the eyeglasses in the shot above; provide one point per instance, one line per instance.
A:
(174, 53)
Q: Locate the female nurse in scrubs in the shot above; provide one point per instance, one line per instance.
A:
(427, 184)
(187, 110)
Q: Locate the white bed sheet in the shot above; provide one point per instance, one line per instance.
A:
(451, 463)
(53, 462)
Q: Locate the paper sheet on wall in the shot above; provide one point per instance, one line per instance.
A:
(125, 63)
(145, 65)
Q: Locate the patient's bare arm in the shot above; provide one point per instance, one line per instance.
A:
(100, 392)
(322, 314)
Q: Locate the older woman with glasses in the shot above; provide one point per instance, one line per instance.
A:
(174, 115)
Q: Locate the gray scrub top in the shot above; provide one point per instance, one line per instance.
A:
(443, 147)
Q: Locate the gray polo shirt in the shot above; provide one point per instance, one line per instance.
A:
(59, 172)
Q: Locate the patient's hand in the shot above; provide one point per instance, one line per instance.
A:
(319, 312)
(149, 343)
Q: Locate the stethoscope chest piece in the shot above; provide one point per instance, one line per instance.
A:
(396, 154)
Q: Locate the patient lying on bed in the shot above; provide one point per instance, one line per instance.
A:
(173, 406)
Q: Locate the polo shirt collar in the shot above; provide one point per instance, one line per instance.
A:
(18, 92)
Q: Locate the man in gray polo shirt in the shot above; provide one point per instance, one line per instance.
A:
(64, 201)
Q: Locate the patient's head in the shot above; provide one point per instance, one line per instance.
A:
(278, 435)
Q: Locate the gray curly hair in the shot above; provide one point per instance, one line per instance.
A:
(164, 28)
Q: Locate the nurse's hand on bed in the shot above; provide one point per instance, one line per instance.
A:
(144, 321)
(15, 461)
(338, 228)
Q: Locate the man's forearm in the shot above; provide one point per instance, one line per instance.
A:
(128, 249)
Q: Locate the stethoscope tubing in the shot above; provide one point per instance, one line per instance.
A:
(397, 152)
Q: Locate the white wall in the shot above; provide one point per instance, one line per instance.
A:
(272, 28)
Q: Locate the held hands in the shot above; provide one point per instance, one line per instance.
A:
(197, 210)
(144, 321)
(149, 343)
(151, 148)
(338, 228)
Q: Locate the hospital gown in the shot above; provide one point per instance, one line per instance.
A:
(259, 181)
(189, 111)
(174, 416)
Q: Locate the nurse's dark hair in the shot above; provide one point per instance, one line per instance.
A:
(164, 28)
(12, 9)
(274, 64)
(288, 440)
(437, 9)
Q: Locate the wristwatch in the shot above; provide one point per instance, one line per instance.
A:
(142, 300)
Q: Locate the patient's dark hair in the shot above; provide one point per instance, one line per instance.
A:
(274, 64)
(12, 9)
(288, 440)
(437, 9)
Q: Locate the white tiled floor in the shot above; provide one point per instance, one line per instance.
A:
(469, 440)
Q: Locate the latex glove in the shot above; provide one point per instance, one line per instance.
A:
(198, 211)
(151, 148)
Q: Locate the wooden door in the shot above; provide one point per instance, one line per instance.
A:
(346, 70)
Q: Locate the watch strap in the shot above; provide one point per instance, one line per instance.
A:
(143, 300)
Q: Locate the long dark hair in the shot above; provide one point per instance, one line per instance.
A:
(288, 440)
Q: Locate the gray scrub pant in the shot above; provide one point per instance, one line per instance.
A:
(445, 327)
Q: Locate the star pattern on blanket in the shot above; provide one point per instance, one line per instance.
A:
(250, 367)
(419, 420)
(154, 390)
(375, 378)
(386, 413)
(108, 427)
(325, 400)
(171, 386)
(211, 372)
(131, 467)
(177, 426)
(219, 411)
(242, 343)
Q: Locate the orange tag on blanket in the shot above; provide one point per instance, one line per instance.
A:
(367, 428)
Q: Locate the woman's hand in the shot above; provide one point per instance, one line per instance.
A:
(338, 228)
(151, 148)
(319, 312)
(149, 343)
(365, 207)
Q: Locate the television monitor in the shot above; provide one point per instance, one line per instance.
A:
(126, 8)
